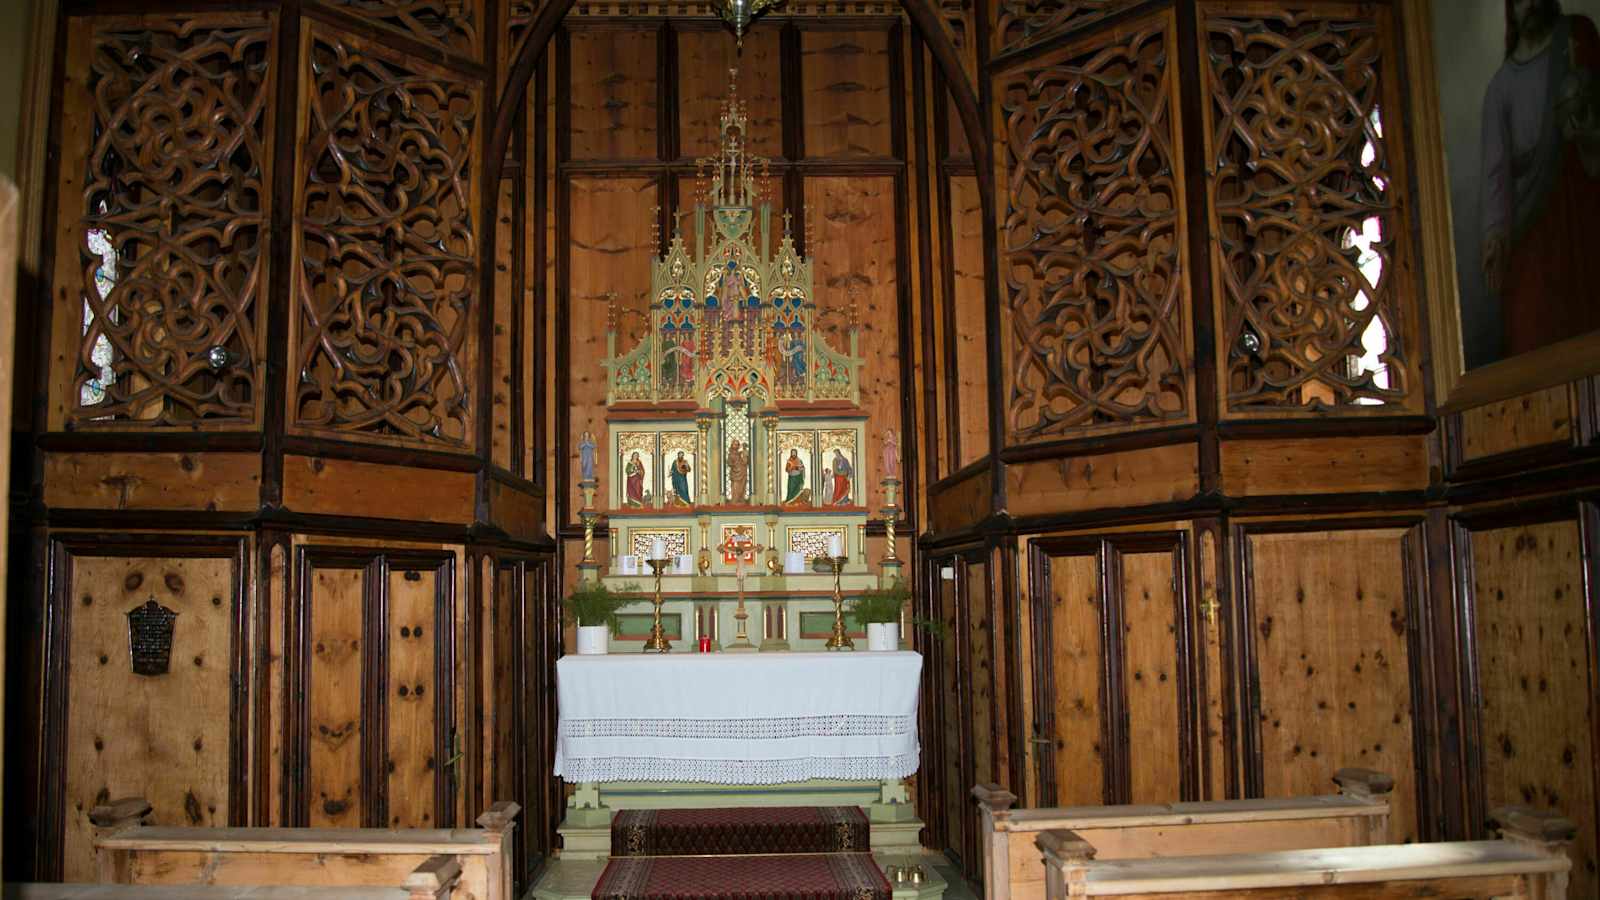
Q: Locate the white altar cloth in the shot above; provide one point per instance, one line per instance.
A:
(728, 718)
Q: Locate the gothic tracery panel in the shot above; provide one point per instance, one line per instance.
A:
(1021, 22)
(1092, 255)
(448, 24)
(174, 206)
(388, 257)
(1307, 233)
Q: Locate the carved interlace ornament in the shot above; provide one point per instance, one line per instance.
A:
(448, 24)
(385, 301)
(1307, 233)
(174, 211)
(1022, 22)
(1092, 247)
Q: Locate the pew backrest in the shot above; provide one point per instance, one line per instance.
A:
(1524, 863)
(308, 857)
(435, 879)
(1357, 815)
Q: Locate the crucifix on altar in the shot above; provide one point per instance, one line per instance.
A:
(743, 550)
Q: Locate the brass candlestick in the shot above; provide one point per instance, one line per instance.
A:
(658, 638)
(838, 640)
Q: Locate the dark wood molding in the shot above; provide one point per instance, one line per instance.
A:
(382, 455)
(1197, 199)
(108, 441)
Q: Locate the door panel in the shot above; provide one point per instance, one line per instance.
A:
(1071, 660)
(333, 697)
(1151, 676)
(954, 774)
(413, 699)
(1329, 613)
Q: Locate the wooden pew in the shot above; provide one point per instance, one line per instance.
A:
(1357, 815)
(1529, 861)
(129, 852)
(436, 879)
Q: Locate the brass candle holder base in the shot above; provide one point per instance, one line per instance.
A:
(658, 638)
(838, 640)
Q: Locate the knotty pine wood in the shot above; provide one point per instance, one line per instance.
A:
(611, 248)
(1536, 715)
(1217, 686)
(844, 79)
(1520, 423)
(969, 334)
(1103, 481)
(1324, 465)
(987, 764)
(152, 481)
(952, 748)
(277, 598)
(349, 488)
(337, 619)
(855, 264)
(613, 95)
(1329, 632)
(500, 387)
(1150, 676)
(162, 737)
(704, 57)
(1075, 653)
(520, 513)
(963, 503)
(412, 692)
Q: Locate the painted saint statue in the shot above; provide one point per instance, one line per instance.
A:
(738, 473)
(795, 471)
(842, 473)
(680, 481)
(633, 481)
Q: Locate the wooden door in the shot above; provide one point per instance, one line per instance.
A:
(1329, 630)
(374, 702)
(1115, 691)
(954, 711)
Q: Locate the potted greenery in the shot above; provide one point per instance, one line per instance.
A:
(593, 607)
(879, 609)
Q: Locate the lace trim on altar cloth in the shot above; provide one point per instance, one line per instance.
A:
(738, 771)
(741, 729)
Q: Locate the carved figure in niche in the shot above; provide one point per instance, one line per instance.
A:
(586, 457)
(891, 454)
(680, 481)
(1540, 188)
(795, 471)
(633, 481)
(669, 349)
(792, 348)
(842, 473)
(686, 358)
(738, 472)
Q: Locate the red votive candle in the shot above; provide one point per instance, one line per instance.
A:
(705, 643)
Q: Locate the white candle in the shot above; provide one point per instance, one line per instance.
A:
(658, 549)
(835, 545)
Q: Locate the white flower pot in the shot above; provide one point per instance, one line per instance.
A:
(593, 640)
(883, 635)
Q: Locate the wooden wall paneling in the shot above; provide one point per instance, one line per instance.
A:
(150, 481)
(1094, 252)
(1530, 634)
(1520, 423)
(538, 352)
(1217, 763)
(504, 390)
(608, 262)
(1330, 617)
(503, 715)
(961, 500)
(1069, 673)
(274, 751)
(1325, 465)
(1355, 345)
(1151, 579)
(953, 778)
(420, 740)
(844, 79)
(1121, 479)
(330, 486)
(613, 99)
(968, 332)
(705, 54)
(199, 216)
(177, 738)
(335, 786)
(982, 629)
(454, 26)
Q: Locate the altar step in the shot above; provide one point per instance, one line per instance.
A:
(736, 831)
(821, 876)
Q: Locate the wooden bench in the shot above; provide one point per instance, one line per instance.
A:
(1530, 860)
(436, 879)
(130, 852)
(1357, 815)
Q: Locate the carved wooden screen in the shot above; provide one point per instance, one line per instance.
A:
(450, 25)
(387, 286)
(1314, 311)
(1023, 22)
(1093, 268)
(164, 200)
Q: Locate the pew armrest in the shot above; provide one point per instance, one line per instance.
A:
(1542, 828)
(435, 879)
(994, 799)
(120, 813)
(1363, 783)
(500, 817)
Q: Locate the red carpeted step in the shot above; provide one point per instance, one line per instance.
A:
(739, 830)
(820, 876)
